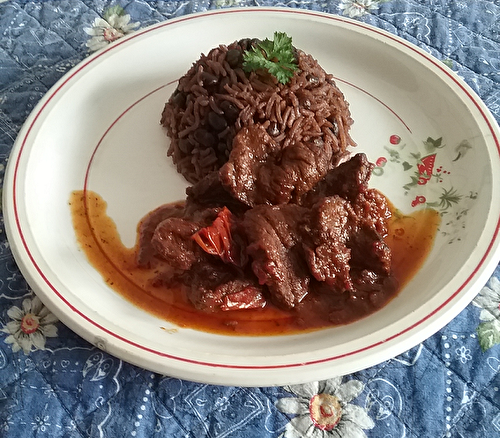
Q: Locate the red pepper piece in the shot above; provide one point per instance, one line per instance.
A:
(216, 239)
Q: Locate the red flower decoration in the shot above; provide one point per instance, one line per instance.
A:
(395, 139)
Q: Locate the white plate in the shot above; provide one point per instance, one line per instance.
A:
(99, 127)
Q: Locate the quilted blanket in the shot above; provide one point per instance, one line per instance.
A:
(55, 384)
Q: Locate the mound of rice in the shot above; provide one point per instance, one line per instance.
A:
(216, 98)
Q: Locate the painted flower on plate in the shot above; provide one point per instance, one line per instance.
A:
(488, 300)
(358, 8)
(323, 410)
(114, 25)
(30, 326)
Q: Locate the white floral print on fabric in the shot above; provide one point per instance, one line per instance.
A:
(323, 410)
(226, 3)
(358, 8)
(114, 24)
(30, 326)
(488, 300)
(463, 354)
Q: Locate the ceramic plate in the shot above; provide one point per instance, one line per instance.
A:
(432, 139)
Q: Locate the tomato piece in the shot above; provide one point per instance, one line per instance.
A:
(216, 239)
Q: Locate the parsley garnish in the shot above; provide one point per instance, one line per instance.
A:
(277, 57)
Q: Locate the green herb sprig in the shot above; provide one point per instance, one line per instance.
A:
(276, 56)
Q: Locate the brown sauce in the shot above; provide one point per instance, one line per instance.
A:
(410, 239)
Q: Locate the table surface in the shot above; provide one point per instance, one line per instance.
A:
(55, 384)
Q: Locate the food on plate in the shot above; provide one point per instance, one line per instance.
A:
(229, 255)
(305, 120)
(280, 230)
(100, 240)
(278, 210)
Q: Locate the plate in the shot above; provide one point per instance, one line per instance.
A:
(433, 141)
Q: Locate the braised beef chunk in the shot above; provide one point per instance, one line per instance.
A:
(281, 226)
(147, 228)
(172, 241)
(182, 241)
(214, 285)
(327, 254)
(274, 237)
(370, 256)
(259, 171)
(372, 209)
(244, 296)
(369, 251)
(348, 180)
(203, 281)
(208, 193)
(243, 176)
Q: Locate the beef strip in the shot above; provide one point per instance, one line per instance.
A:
(273, 234)
(214, 285)
(172, 241)
(348, 180)
(209, 193)
(370, 256)
(260, 172)
(326, 251)
(147, 228)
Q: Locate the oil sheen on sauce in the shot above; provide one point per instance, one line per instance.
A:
(410, 239)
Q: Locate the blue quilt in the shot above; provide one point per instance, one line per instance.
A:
(55, 384)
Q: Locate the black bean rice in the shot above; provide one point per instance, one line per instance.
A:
(216, 98)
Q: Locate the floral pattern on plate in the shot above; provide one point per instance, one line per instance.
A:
(429, 183)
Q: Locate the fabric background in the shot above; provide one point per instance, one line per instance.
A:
(55, 384)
